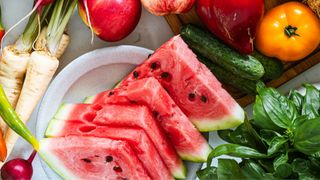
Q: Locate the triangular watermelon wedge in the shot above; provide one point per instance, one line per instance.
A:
(91, 158)
(126, 116)
(187, 140)
(136, 137)
(191, 85)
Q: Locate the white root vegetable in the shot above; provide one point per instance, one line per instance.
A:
(13, 66)
(41, 43)
(41, 68)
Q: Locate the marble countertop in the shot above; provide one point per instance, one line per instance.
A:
(150, 33)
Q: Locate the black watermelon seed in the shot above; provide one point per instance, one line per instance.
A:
(192, 96)
(135, 74)
(96, 156)
(111, 93)
(109, 158)
(165, 75)
(117, 169)
(203, 98)
(86, 160)
(149, 55)
(153, 65)
(155, 113)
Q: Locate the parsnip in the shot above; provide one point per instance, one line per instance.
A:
(41, 43)
(41, 68)
(12, 71)
(42, 64)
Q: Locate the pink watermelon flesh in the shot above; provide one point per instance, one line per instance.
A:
(76, 157)
(191, 85)
(187, 140)
(126, 116)
(137, 139)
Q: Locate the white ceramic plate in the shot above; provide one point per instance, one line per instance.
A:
(87, 75)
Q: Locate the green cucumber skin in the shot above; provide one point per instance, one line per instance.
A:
(273, 67)
(203, 42)
(244, 85)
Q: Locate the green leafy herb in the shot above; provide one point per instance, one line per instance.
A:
(297, 99)
(307, 137)
(208, 173)
(228, 169)
(311, 102)
(281, 142)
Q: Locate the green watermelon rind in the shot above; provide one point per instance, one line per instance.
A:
(64, 111)
(88, 99)
(54, 127)
(227, 122)
(52, 162)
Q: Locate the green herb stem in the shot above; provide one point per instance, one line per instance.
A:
(31, 31)
(13, 121)
(61, 15)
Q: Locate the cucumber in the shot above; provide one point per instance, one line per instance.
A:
(273, 68)
(204, 43)
(242, 84)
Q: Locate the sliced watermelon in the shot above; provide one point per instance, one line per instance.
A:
(136, 137)
(191, 85)
(187, 140)
(75, 157)
(127, 116)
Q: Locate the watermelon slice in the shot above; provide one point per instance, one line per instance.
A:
(138, 140)
(75, 157)
(191, 85)
(127, 116)
(187, 140)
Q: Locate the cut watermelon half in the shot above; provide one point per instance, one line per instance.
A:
(75, 157)
(126, 116)
(136, 137)
(191, 85)
(187, 140)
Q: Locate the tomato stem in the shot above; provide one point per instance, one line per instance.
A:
(1, 25)
(291, 31)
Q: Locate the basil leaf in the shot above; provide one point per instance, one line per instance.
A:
(303, 168)
(261, 119)
(268, 135)
(208, 173)
(282, 159)
(283, 170)
(244, 135)
(311, 102)
(297, 99)
(276, 144)
(252, 170)
(298, 122)
(307, 137)
(229, 169)
(279, 109)
(225, 135)
(235, 150)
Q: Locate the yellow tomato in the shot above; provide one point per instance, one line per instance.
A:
(288, 32)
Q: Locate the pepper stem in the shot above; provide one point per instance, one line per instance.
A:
(11, 118)
(291, 31)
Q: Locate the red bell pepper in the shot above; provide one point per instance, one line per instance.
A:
(235, 22)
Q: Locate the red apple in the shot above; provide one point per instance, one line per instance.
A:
(164, 7)
(111, 20)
